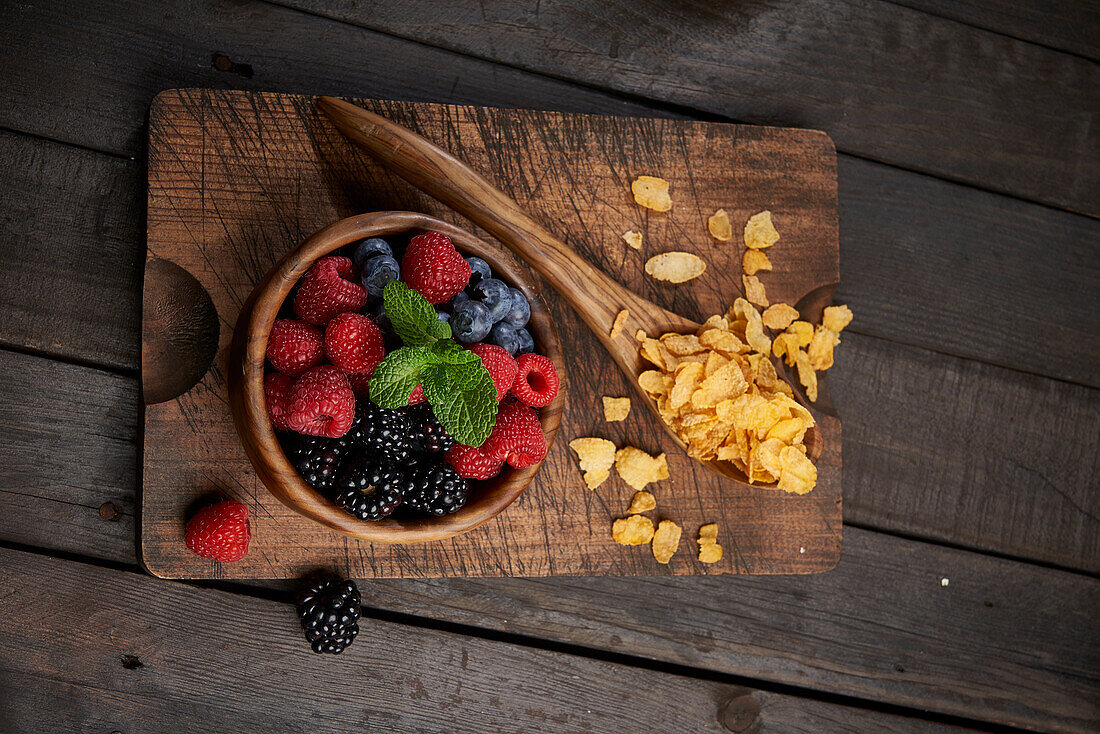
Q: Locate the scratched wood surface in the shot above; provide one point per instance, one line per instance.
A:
(236, 179)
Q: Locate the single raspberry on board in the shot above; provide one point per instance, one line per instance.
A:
(277, 393)
(501, 365)
(330, 287)
(537, 380)
(354, 344)
(474, 463)
(294, 346)
(434, 268)
(517, 436)
(220, 532)
(321, 403)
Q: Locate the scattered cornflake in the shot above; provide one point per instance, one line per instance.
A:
(617, 324)
(709, 550)
(643, 502)
(754, 261)
(632, 238)
(633, 530)
(639, 335)
(803, 332)
(615, 409)
(596, 455)
(806, 374)
(754, 290)
(652, 193)
(836, 318)
(637, 468)
(666, 540)
(821, 348)
(760, 232)
(797, 474)
(719, 226)
(779, 316)
(675, 267)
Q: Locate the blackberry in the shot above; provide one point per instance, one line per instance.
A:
(368, 490)
(382, 434)
(319, 461)
(428, 436)
(329, 610)
(435, 489)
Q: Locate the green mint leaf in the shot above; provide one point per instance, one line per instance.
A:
(410, 313)
(467, 407)
(450, 352)
(440, 329)
(394, 379)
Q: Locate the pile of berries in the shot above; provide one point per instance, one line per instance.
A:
(334, 332)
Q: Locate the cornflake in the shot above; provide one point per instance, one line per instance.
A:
(754, 290)
(652, 193)
(665, 541)
(719, 226)
(754, 261)
(779, 316)
(643, 502)
(633, 530)
(632, 238)
(675, 267)
(821, 346)
(760, 233)
(617, 324)
(709, 550)
(615, 409)
(637, 468)
(835, 318)
(596, 456)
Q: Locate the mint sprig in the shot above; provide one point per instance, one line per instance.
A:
(455, 381)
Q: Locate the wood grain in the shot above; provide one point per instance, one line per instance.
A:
(136, 658)
(210, 172)
(887, 83)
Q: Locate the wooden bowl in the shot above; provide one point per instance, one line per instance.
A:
(249, 408)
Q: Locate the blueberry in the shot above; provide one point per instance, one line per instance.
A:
(526, 342)
(470, 322)
(460, 297)
(376, 312)
(443, 316)
(496, 295)
(379, 270)
(368, 248)
(479, 270)
(504, 335)
(520, 312)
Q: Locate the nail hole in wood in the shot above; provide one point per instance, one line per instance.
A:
(108, 511)
(131, 662)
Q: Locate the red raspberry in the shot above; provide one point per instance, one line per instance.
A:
(360, 383)
(536, 380)
(328, 289)
(417, 395)
(474, 463)
(434, 268)
(501, 366)
(220, 531)
(517, 436)
(321, 403)
(354, 344)
(294, 346)
(277, 393)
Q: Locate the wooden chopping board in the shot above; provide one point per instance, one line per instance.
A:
(238, 178)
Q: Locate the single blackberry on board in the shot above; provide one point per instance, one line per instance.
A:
(428, 435)
(435, 489)
(329, 610)
(383, 434)
(369, 490)
(319, 460)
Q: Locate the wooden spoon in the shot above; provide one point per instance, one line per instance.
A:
(592, 294)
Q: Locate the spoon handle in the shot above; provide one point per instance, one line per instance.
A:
(595, 296)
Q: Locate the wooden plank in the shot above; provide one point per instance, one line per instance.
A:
(70, 266)
(946, 448)
(147, 651)
(886, 82)
(1068, 26)
(211, 172)
(68, 477)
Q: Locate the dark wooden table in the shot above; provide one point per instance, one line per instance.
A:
(967, 596)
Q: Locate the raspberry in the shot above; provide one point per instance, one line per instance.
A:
(321, 403)
(433, 267)
(294, 346)
(502, 368)
(354, 344)
(276, 392)
(517, 436)
(328, 289)
(417, 395)
(360, 382)
(220, 531)
(474, 463)
(536, 380)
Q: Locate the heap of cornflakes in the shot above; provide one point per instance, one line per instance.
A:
(719, 392)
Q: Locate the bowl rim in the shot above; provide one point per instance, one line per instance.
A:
(247, 369)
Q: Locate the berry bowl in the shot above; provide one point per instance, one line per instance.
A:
(270, 301)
